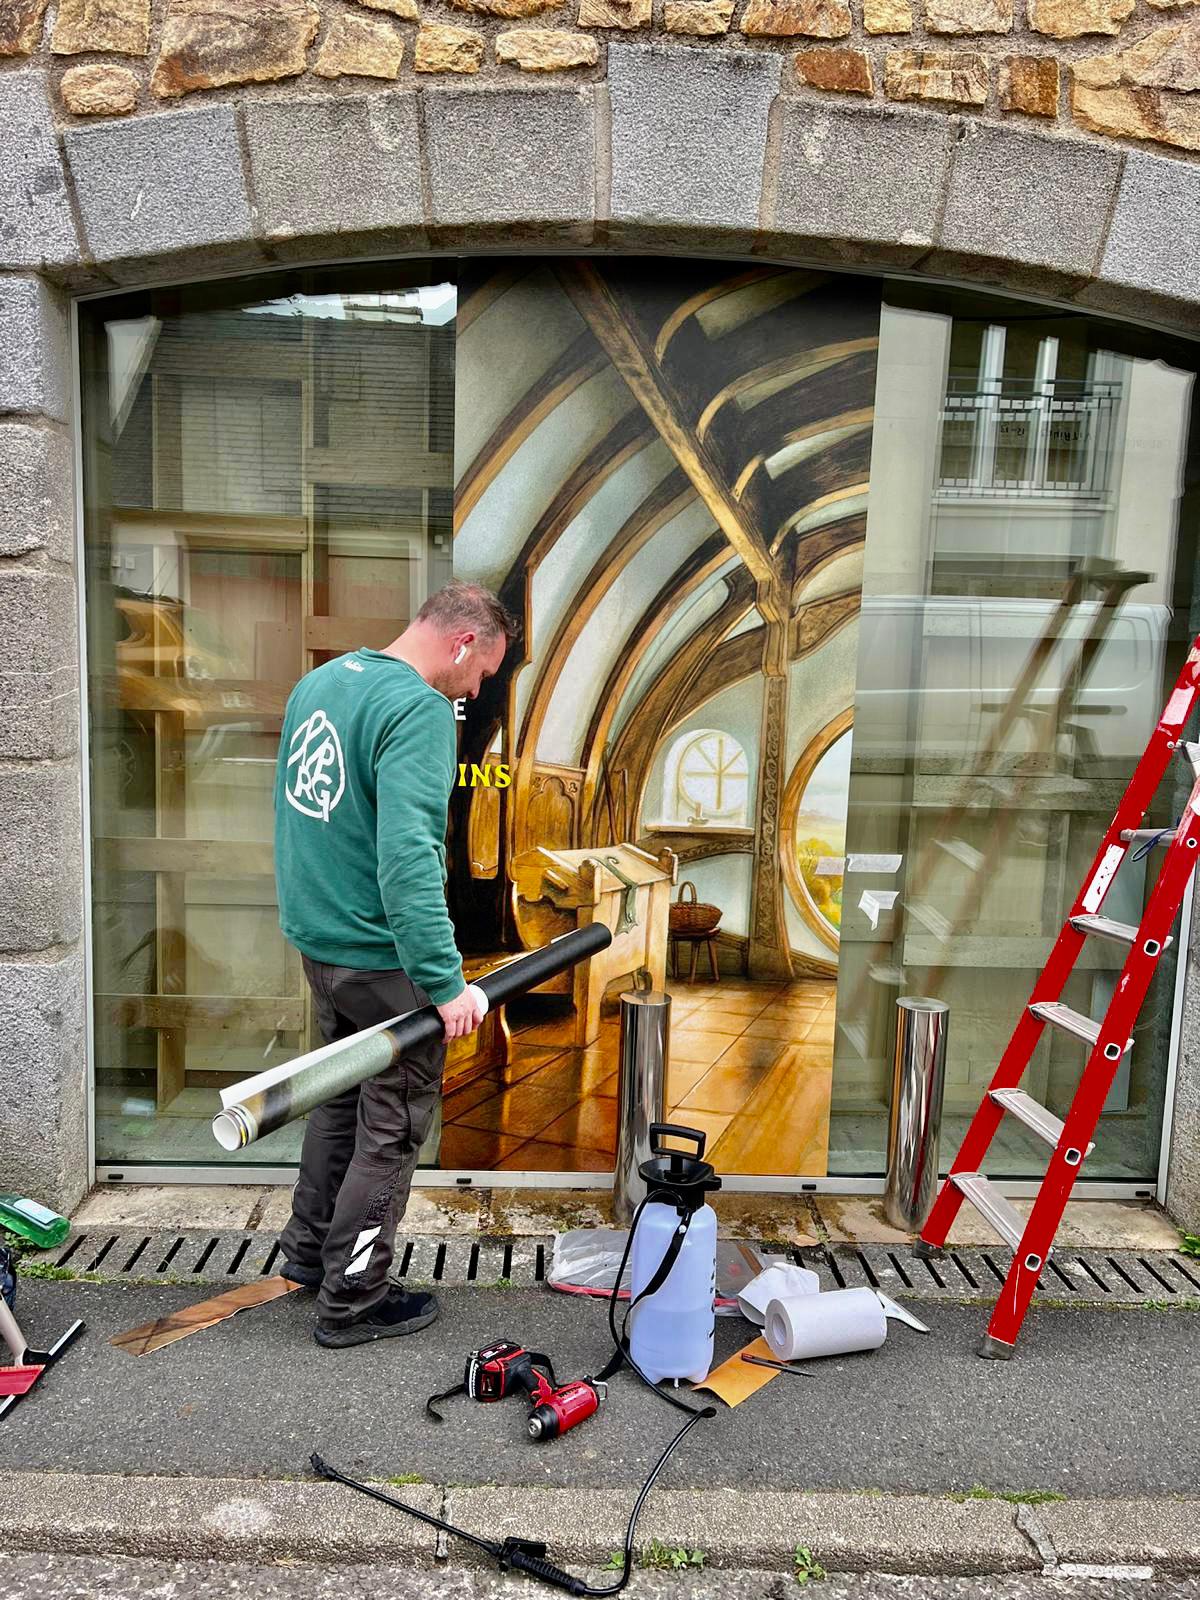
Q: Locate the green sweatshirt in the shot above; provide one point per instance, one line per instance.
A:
(366, 765)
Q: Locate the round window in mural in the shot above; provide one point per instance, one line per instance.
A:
(814, 821)
(712, 779)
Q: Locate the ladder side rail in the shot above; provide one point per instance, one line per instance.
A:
(1135, 802)
(1084, 1115)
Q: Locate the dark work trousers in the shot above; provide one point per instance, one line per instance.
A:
(360, 1149)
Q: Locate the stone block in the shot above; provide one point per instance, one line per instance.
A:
(546, 49)
(511, 10)
(614, 13)
(846, 71)
(208, 43)
(969, 16)
(995, 171)
(689, 130)
(698, 16)
(99, 90)
(818, 19)
(868, 174)
(21, 26)
(1072, 19)
(958, 76)
(122, 26)
(35, 215)
(359, 47)
(1124, 112)
(35, 349)
(1183, 1173)
(43, 1133)
(887, 16)
(1153, 243)
(36, 491)
(38, 625)
(339, 169)
(41, 869)
(441, 48)
(163, 191)
(406, 10)
(505, 159)
(39, 715)
(1030, 84)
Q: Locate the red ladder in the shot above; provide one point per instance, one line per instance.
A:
(1109, 1038)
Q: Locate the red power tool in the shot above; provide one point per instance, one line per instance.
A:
(505, 1368)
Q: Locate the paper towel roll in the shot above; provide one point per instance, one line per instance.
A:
(834, 1324)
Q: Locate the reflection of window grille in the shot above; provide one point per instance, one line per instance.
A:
(1044, 437)
(712, 780)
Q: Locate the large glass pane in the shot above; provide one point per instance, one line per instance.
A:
(268, 483)
(1027, 601)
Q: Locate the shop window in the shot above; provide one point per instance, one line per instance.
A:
(707, 781)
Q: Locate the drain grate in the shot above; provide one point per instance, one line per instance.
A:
(195, 1257)
(1114, 1277)
(1095, 1277)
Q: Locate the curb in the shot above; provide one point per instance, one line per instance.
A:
(257, 1520)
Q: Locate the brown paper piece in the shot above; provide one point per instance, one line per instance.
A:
(153, 1335)
(736, 1380)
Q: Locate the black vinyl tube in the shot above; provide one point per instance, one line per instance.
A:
(513, 978)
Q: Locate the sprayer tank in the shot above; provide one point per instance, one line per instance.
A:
(671, 1332)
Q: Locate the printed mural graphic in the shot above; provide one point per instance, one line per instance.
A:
(663, 470)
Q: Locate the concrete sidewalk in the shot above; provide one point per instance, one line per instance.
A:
(894, 1460)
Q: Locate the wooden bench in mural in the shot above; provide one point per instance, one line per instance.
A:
(626, 888)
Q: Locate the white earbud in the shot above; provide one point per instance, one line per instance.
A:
(462, 650)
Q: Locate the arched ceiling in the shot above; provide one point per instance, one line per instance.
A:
(643, 451)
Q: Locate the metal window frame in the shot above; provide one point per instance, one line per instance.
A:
(239, 1174)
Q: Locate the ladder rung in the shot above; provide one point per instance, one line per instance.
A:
(1033, 1114)
(1068, 1021)
(1191, 754)
(1107, 928)
(991, 1206)
(1163, 836)
(962, 851)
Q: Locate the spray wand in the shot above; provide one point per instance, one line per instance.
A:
(529, 1555)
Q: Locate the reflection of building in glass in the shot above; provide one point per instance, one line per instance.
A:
(1032, 494)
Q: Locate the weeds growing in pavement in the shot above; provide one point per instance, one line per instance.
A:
(805, 1566)
(1015, 1497)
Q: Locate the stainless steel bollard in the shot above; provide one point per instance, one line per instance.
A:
(645, 1038)
(918, 1082)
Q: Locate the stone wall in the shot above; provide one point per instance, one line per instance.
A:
(1045, 148)
(1126, 69)
(43, 1127)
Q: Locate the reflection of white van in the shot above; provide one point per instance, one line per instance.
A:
(936, 672)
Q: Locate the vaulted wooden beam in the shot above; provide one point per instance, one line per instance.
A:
(686, 683)
(817, 550)
(580, 361)
(630, 436)
(823, 503)
(796, 366)
(661, 506)
(691, 578)
(712, 292)
(859, 419)
(485, 294)
(633, 358)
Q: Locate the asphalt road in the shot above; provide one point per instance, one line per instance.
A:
(1096, 1402)
(41, 1577)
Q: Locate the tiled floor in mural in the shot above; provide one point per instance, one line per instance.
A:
(749, 1064)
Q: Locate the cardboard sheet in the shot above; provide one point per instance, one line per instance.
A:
(165, 1330)
(736, 1380)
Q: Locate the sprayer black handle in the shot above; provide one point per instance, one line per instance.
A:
(527, 1555)
(673, 1130)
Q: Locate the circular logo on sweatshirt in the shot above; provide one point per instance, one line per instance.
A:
(316, 771)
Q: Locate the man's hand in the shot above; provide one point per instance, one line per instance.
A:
(460, 1016)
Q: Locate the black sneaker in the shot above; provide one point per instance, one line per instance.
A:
(306, 1277)
(398, 1313)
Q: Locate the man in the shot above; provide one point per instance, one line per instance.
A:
(367, 761)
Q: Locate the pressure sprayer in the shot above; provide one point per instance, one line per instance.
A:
(667, 1332)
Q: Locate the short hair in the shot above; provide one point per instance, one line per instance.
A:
(459, 605)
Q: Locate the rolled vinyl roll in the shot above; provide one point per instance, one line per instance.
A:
(246, 1120)
(803, 1327)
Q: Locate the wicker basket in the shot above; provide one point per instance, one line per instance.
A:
(692, 916)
